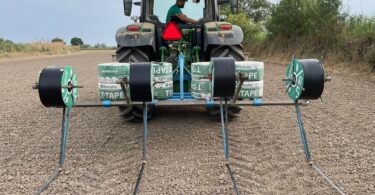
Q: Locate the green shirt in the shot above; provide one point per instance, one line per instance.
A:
(173, 11)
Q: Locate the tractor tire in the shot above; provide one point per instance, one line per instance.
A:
(134, 113)
(235, 51)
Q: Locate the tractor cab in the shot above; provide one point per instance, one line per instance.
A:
(149, 28)
(155, 11)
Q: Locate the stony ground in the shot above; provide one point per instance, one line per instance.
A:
(185, 147)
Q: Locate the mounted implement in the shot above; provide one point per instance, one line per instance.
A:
(173, 65)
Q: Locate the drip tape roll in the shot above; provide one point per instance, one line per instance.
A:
(140, 79)
(307, 79)
(223, 77)
(51, 81)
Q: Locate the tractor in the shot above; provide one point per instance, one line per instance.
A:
(145, 41)
(173, 65)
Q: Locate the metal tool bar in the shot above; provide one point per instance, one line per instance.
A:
(64, 138)
(223, 129)
(145, 131)
(307, 151)
(192, 102)
(302, 133)
(181, 61)
(224, 132)
(144, 157)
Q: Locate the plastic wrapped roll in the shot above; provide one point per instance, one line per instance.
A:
(251, 90)
(53, 87)
(223, 77)
(140, 82)
(253, 70)
(306, 79)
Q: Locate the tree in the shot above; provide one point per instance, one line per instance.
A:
(56, 40)
(76, 41)
(258, 10)
(305, 18)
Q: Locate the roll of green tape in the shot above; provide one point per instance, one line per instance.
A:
(201, 89)
(164, 85)
(201, 69)
(162, 69)
(108, 80)
(113, 95)
(251, 90)
(69, 96)
(163, 90)
(164, 78)
(163, 93)
(112, 92)
(252, 69)
(295, 73)
(116, 70)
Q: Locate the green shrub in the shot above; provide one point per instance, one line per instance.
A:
(250, 29)
(9, 48)
(317, 19)
(56, 40)
(75, 41)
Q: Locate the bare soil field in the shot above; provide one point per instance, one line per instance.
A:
(185, 147)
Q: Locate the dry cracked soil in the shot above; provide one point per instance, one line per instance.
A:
(185, 148)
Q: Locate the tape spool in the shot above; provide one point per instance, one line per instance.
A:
(53, 91)
(223, 77)
(140, 82)
(305, 79)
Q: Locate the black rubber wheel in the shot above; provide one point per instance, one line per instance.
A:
(134, 54)
(134, 113)
(235, 51)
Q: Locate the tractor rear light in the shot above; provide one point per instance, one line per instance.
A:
(172, 32)
(225, 27)
(133, 28)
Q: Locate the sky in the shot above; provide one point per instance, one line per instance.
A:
(95, 21)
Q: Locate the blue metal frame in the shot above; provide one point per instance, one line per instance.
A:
(145, 131)
(64, 139)
(64, 135)
(302, 132)
(181, 63)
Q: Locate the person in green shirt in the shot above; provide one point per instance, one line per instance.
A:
(175, 14)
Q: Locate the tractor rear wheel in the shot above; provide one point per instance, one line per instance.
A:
(125, 54)
(235, 51)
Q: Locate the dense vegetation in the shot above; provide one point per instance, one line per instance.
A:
(307, 28)
(9, 48)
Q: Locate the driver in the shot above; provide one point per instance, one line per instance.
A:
(175, 14)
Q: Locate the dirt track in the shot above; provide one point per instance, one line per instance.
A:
(185, 148)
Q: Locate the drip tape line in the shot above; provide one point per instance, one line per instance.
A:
(54, 175)
(325, 177)
(233, 179)
(139, 178)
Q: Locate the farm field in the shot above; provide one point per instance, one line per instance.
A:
(185, 148)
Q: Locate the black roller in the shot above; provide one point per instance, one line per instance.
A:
(140, 82)
(224, 77)
(50, 87)
(314, 79)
